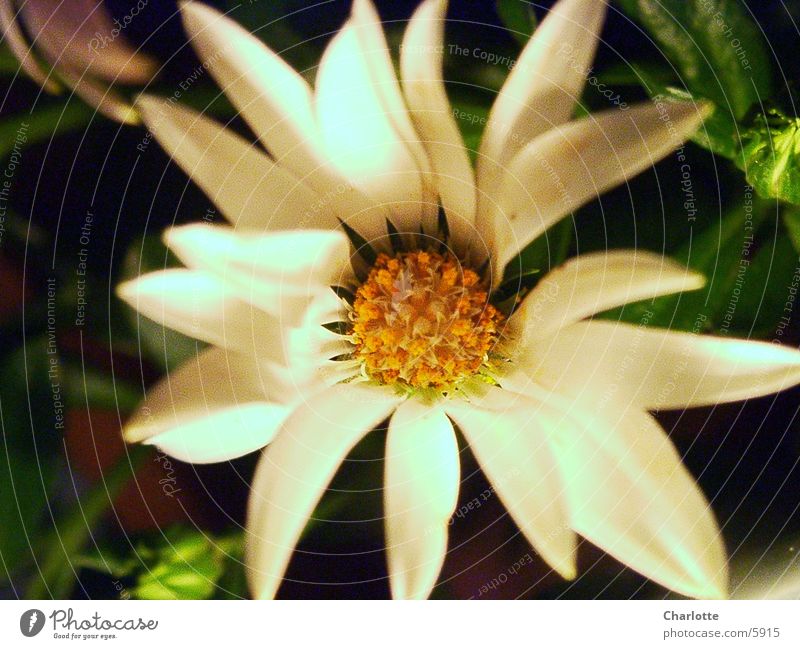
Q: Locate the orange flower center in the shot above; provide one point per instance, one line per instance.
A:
(421, 320)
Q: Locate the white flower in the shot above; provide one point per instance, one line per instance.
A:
(554, 405)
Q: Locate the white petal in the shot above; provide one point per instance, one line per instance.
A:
(422, 478)
(203, 307)
(661, 369)
(594, 283)
(421, 65)
(510, 440)
(295, 470)
(224, 435)
(270, 95)
(630, 495)
(369, 29)
(281, 272)
(541, 91)
(214, 407)
(360, 138)
(290, 257)
(572, 164)
(248, 187)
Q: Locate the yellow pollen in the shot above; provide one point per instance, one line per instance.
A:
(421, 320)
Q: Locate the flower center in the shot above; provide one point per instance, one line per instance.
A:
(422, 321)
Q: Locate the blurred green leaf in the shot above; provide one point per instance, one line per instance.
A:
(718, 50)
(765, 292)
(720, 252)
(628, 73)
(87, 387)
(543, 253)
(518, 16)
(69, 535)
(719, 134)
(186, 564)
(107, 560)
(179, 563)
(9, 65)
(31, 409)
(42, 125)
(471, 119)
(791, 219)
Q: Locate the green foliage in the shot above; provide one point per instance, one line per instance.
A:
(737, 273)
(9, 65)
(791, 220)
(88, 387)
(43, 125)
(543, 253)
(69, 533)
(761, 304)
(717, 54)
(717, 50)
(177, 563)
(30, 411)
(185, 564)
(471, 119)
(771, 156)
(719, 134)
(720, 55)
(518, 16)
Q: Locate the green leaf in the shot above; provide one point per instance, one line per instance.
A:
(518, 16)
(771, 157)
(720, 252)
(9, 65)
(718, 50)
(187, 564)
(545, 252)
(69, 536)
(108, 560)
(515, 286)
(88, 387)
(180, 563)
(791, 219)
(471, 119)
(765, 291)
(719, 133)
(32, 408)
(43, 124)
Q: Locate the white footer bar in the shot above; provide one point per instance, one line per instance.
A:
(410, 625)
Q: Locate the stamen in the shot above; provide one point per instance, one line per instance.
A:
(422, 321)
